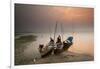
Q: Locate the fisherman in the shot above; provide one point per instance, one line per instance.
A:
(59, 43)
(41, 47)
(58, 39)
(51, 43)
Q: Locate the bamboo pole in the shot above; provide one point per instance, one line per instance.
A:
(55, 31)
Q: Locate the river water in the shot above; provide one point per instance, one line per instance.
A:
(82, 43)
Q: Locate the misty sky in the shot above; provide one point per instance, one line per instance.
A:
(40, 18)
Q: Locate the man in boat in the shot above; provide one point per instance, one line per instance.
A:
(51, 42)
(59, 43)
(41, 47)
(48, 49)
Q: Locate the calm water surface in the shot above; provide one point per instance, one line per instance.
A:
(83, 43)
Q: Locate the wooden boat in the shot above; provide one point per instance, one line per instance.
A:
(47, 50)
(66, 45)
(53, 49)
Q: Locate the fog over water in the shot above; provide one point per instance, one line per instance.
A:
(38, 18)
(82, 43)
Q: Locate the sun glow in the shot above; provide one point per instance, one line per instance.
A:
(80, 15)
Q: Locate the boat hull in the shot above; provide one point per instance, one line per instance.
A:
(49, 51)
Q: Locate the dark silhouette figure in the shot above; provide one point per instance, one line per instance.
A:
(66, 45)
(58, 39)
(59, 43)
(51, 40)
(51, 43)
(41, 47)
